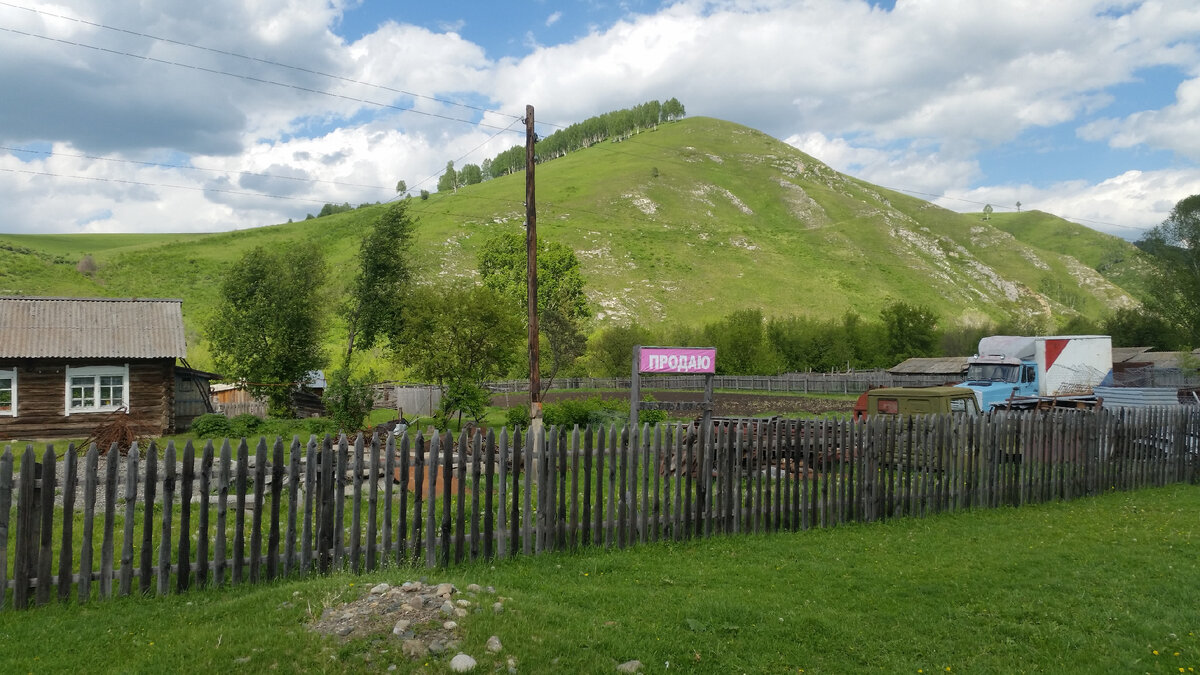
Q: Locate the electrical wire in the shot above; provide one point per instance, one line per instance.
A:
(162, 185)
(192, 168)
(251, 78)
(255, 59)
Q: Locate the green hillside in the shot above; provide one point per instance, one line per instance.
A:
(683, 224)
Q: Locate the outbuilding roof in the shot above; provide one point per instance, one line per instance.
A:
(132, 328)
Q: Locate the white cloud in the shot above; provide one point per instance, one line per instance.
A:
(553, 19)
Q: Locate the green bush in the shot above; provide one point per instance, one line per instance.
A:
(245, 426)
(517, 417)
(212, 425)
(349, 399)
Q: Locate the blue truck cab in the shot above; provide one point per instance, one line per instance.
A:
(995, 379)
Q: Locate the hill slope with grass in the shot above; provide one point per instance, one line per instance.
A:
(682, 224)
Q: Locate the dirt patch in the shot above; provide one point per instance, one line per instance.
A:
(724, 404)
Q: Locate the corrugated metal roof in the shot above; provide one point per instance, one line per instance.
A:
(1120, 354)
(1137, 397)
(945, 365)
(131, 328)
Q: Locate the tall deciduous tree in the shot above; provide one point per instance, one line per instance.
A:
(562, 304)
(1175, 245)
(374, 308)
(448, 182)
(458, 337)
(268, 325)
(911, 330)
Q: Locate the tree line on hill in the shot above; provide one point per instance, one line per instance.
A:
(275, 310)
(617, 125)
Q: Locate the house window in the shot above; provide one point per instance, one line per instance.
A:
(8, 393)
(97, 389)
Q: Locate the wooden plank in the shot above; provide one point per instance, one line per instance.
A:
(131, 483)
(518, 466)
(45, 560)
(689, 468)
(6, 493)
(435, 448)
(676, 510)
(25, 553)
(530, 466)
(389, 473)
(502, 459)
(146, 571)
(654, 468)
(542, 467)
(489, 457)
(66, 560)
(277, 466)
(90, 475)
(183, 578)
(260, 489)
(476, 459)
(704, 481)
(290, 559)
(623, 477)
(337, 497)
(373, 469)
(418, 494)
(460, 525)
(311, 486)
(447, 492)
(240, 486)
(168, 511)
(573, 518)
(328, 527)
(613, 497)
(644, 513)
(588, 529)
(202, 527)
(219, 546)
(402, 517)
(559, 480)
(356, 508)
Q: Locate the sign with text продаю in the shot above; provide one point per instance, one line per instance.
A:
(678, 360)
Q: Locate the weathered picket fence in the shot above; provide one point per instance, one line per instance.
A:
(222, 515)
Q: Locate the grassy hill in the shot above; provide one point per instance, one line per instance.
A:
(683, 224)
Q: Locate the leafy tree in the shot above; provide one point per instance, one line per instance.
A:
(348, 399)
(375, 306)
(1141, 328)
(910, 331)
(1175, 283)
(449, 180)
(610, 351)
(562, 304)
(470, 174)
(458, 336)
(424, 194)
(672, 110)
(401, 187)
(267, 327)
(742, 344)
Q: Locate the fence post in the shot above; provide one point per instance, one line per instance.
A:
(28, 522)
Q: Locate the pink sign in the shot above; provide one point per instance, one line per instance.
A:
(678, 360)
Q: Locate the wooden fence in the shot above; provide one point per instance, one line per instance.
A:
(795, 383)
(151, 523)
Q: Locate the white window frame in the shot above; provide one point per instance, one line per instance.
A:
(12, 376)
(97, 372)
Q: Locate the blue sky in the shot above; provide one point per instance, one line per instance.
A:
(1089, 109)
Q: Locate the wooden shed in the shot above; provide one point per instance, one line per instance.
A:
(69, 364)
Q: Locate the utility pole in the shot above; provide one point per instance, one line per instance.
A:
(535, 383)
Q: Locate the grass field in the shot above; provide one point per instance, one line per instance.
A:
(1098, 585)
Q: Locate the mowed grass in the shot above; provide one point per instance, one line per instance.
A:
(1099, 585)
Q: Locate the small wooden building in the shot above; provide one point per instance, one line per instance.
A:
(69, 364)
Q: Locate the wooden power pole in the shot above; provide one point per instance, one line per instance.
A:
(535, 384)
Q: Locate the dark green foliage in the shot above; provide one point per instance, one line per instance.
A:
(470, 174)
(211, 425)
(330, 209)
(348, 399)
(594, 410)
(1142, 328)
(517, 417)
(742, 344)
(460, 398)
(1175, 284)
(610, 350)
(911, 331)
(267, 327)
(458, 336)
(424, 194)
(374, 309)
(245, 426)
(448, 182)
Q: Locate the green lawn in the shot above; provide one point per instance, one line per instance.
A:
(1098, 585)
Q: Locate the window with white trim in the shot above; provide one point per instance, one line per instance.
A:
(8, 393)
(97, 389)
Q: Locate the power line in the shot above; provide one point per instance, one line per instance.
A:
(463, 156)
(251, 78)
(191, 168)
(162, 185)
(257, 59)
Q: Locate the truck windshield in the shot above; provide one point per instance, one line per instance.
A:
(993, 372)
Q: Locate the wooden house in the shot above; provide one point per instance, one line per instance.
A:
(69, 364)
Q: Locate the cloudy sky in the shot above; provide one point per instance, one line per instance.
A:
(174, 116)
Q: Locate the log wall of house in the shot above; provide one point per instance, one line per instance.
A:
(41, 399)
